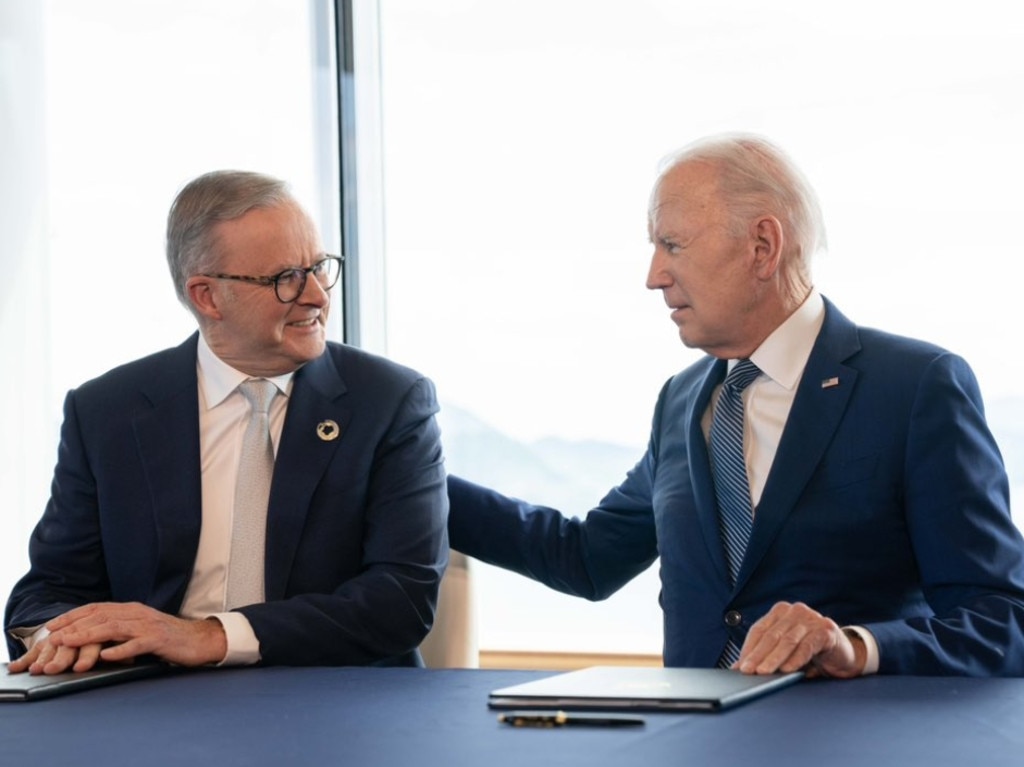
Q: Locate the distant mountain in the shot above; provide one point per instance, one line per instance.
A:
(569, 475)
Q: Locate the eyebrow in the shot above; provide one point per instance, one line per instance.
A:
(321, 256)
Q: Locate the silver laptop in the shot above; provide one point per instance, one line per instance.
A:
(25, 687)
(641, 689)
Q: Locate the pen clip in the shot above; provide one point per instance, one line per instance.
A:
(557, 719)
(551, 719)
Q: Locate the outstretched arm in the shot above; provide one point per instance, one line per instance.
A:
(591, 557)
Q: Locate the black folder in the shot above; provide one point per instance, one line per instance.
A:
(616, 688)
(25, 687)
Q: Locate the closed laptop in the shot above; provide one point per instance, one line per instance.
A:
(25, 687)
(613, 688)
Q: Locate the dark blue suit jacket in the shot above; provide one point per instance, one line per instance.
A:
(886, 506)
(356, 539)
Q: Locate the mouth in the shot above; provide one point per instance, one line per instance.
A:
(307, 323)
(678, 311)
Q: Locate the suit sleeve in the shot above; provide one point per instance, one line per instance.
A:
(66, 550)
(967, 548)
(388, 607)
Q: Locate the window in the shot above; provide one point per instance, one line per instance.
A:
(108, 107)
(520, 141)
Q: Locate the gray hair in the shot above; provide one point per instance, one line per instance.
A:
(757, 177)
(221, 195)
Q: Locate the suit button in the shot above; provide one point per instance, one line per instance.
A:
(733, 619)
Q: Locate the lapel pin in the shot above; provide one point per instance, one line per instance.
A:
(828, 383)
(327, 430)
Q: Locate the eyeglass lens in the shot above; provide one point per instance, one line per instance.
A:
(290, 284)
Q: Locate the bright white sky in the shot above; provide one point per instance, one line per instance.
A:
(521, 142)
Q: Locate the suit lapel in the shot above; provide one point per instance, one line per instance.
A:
(306, 449)
(167, 435)
(821, 399)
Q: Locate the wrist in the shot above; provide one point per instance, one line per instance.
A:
(214, 640)
(860, 650)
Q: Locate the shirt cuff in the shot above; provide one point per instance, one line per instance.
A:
(30, 636)
(870, 645)
(243, 646)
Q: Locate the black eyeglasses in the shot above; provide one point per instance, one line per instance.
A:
(289, 284)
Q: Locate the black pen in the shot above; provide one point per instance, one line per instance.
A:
(562, 719)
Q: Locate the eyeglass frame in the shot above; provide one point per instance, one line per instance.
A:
(274, 279)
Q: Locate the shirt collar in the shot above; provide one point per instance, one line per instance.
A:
(217, 379)
(783, 355)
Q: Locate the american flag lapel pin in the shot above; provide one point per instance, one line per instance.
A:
(828, 383)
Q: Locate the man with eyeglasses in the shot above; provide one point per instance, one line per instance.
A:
(336, 476)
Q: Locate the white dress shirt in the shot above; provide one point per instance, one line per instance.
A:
(223, 415)
(767, 401)
(781, 358)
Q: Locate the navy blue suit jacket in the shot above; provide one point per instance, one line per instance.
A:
(356, 539)
(886, 506)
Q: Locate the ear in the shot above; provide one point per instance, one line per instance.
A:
(768, 240)
(204, 298)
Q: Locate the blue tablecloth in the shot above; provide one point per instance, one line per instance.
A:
(412, 717)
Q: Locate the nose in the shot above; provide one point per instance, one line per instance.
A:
(313, 293)
(657, 276)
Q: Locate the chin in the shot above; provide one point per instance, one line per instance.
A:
(307, 352)
(687, 339)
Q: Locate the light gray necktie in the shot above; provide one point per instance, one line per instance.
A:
(252, 495)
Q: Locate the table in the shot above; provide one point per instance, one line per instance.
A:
(376, 717)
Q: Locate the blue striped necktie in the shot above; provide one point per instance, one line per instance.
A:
(729, 470)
